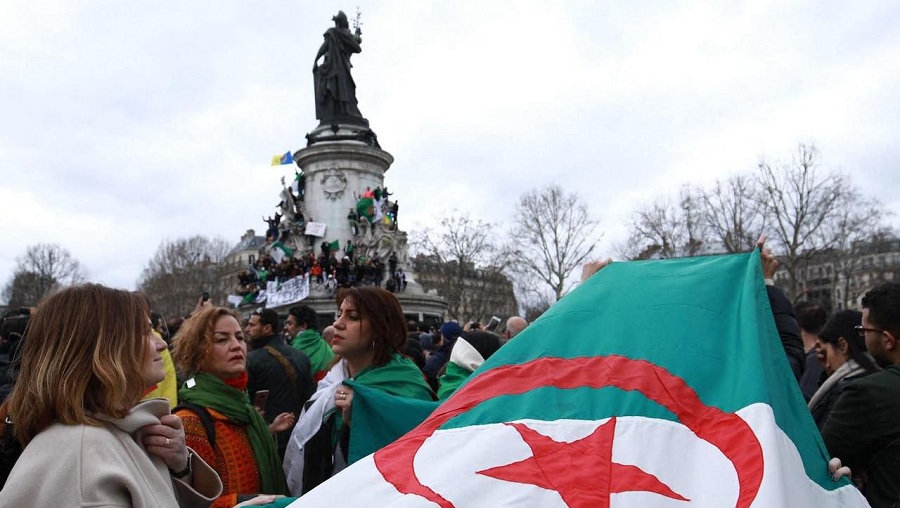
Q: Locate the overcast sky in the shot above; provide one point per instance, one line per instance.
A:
(126, 123)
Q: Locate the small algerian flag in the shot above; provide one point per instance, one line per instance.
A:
(282, 159)
(284, 248)
(653, 384)
(366, 208)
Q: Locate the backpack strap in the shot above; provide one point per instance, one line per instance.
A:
(10, 447)
(205, 418)
(288, 369)
(4, 417)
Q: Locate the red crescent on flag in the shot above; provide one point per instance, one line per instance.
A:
(726, 431)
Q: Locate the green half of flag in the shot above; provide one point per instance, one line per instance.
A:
(284, 248)
(316, 349)
(365, 207)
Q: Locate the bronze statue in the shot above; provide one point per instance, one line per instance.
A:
(334, 86)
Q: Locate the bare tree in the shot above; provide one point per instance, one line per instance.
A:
(858, 231)
(733, 213)
(26, 289)
(803, 205)
(462, 262)
(532, 294)
(554, 234)
(667, 228)
(42, 269)
(181, 270)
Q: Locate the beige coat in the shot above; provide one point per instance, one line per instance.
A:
(105, 466)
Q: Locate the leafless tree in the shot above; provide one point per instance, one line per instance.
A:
(553, 236)
(667, 228)
(41, 270)
(532, 293)
(733, 213)
(859, 232)
(462, 261)
(181, 270)
(803, 204)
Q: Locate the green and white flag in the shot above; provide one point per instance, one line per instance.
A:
(653, 384)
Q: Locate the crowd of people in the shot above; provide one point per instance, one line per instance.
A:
(260, 407)
(325, 270)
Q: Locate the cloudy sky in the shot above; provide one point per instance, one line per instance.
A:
(126, 123)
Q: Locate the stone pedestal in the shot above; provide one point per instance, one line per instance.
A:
(340, 162)
(336, 173)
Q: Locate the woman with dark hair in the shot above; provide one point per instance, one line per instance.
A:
(843, 355)
(369, 338)
(90, 357)
(228, 432)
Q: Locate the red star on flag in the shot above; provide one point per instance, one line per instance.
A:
(582, 472)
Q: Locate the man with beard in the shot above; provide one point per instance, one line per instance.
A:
(274, 366)
(864, 428)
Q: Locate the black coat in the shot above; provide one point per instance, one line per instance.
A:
(265, 372)
(788, 329)
(864, 432)
(822, 410)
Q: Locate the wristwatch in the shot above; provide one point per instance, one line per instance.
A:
(187, 469)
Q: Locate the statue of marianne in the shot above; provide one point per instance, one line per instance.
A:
(334, 87)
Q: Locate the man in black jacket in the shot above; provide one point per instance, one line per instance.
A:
(274, 366)
(864, 428)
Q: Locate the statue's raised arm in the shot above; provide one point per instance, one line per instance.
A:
(335, 89)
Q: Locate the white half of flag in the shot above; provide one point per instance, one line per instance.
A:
(449, 461)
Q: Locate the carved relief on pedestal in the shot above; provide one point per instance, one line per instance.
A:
(333, 184)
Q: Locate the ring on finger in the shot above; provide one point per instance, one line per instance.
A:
(168, 441)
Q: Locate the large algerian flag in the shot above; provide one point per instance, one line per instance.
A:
(653, 384)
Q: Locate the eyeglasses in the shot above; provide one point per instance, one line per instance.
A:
(861, 330)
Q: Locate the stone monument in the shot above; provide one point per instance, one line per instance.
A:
(338, 197)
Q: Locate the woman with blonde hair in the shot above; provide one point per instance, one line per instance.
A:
(211, 353)
(89, 441)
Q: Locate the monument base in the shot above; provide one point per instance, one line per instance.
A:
(350, 129)
(428, 308)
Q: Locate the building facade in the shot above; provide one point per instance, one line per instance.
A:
(472, 294)
(838, 280)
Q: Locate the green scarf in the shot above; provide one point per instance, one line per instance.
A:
(452, 378)
(211, 392)
(316, 349)
(376, 426)
(399, 376)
